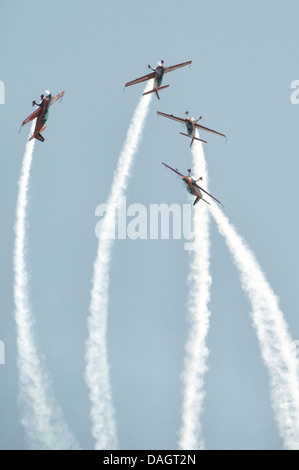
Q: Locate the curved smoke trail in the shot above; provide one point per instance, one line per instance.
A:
(195, 363)
(97, 369)
(42, 418)
(276, 345)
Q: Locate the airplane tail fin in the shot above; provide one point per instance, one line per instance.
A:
(38, 135)
(193, 138)
(155, 90)
(41, 138)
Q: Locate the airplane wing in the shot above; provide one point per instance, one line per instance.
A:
(174, 67)
(201, 189)
(171, 116)
(177, 172)
(198, 126)
(57, 97)
(31, 117)
(141, 79)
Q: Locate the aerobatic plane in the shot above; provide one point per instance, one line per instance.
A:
(157, 74)
(192, 186)
(191, 126)
(41, 114)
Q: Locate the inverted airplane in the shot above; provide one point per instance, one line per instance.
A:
(192, 186)
(41, 114)
(157, 74)
(191, 126)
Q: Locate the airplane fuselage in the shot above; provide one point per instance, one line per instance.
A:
(190, 126)
(42, 118)
(46, 106)
(159, 75)
(190, 187)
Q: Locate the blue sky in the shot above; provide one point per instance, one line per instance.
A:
(244, 58)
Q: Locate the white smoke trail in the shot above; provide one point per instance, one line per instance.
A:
(42, 418)
(276, 345)
(195, 363)
(97, 369)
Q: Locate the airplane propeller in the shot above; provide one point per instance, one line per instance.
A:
(187, 114)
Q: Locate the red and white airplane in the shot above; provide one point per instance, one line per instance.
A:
(157, 74)
(41, 114)
(191, 125)
(192, 186)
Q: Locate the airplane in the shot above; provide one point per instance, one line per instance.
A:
(191, 126)
(192, 186)
(157, 74)
(41, 114)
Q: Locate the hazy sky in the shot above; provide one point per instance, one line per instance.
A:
(244, 58)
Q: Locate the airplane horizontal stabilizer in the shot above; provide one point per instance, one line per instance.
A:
(155, 90)
(196, 138)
